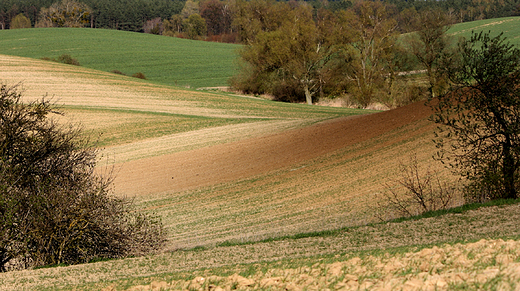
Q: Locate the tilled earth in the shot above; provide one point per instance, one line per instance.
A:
(232, 161)
(476, 266)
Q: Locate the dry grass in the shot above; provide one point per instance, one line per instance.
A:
(395, 248)
(329, 192)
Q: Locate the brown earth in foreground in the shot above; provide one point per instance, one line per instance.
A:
(250, 157)
(483, 265)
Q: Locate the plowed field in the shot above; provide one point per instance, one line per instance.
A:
(238, 160)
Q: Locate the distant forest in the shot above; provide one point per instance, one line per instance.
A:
(214, 20)
(130, 15)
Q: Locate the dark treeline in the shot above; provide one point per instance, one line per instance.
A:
(463, 10)
(217, 19)
(128, 15)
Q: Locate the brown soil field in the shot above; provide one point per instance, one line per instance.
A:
(238, 160)
(438, 268)
(325, 176)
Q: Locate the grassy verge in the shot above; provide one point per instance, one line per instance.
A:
(335, 232)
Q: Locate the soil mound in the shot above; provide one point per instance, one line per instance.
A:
(238, 160)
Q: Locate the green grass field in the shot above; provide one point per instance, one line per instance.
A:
(508, 25)
(165, 60)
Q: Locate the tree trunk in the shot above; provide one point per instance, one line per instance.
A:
(308, 96)
(508, 173)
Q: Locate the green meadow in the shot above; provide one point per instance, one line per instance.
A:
(166, 60)
(509, 26)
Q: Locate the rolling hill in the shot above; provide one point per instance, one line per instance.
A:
(264, 195)
(166, 60)
(282, 188)
(508, 26)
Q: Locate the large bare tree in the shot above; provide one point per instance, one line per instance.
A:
(371, 48)
(429, 42)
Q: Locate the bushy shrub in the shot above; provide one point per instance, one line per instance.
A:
(54, 208)
(67, 59)
(403, 92)
(118, 72)
(288, 91)
(249, 81)
(64, 59)
(139, 75)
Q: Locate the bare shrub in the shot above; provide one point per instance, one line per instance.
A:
(118, 72)
(415, 192)
(64, 59)
(54, 208)
(139, 75)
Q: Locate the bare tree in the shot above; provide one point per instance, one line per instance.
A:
(54, 208)
(428, 44)
(67, 13)
(371, 48)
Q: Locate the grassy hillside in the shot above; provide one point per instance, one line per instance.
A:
(167, 60)
(510, 26)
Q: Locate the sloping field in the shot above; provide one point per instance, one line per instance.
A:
(509, 26)
(223, 171)
(142, 125)
(167, 60)
(123, 110)
(232, 161)
(325, 176)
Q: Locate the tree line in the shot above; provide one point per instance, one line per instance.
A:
(219, 20)
(127, 15)
(296, 53)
